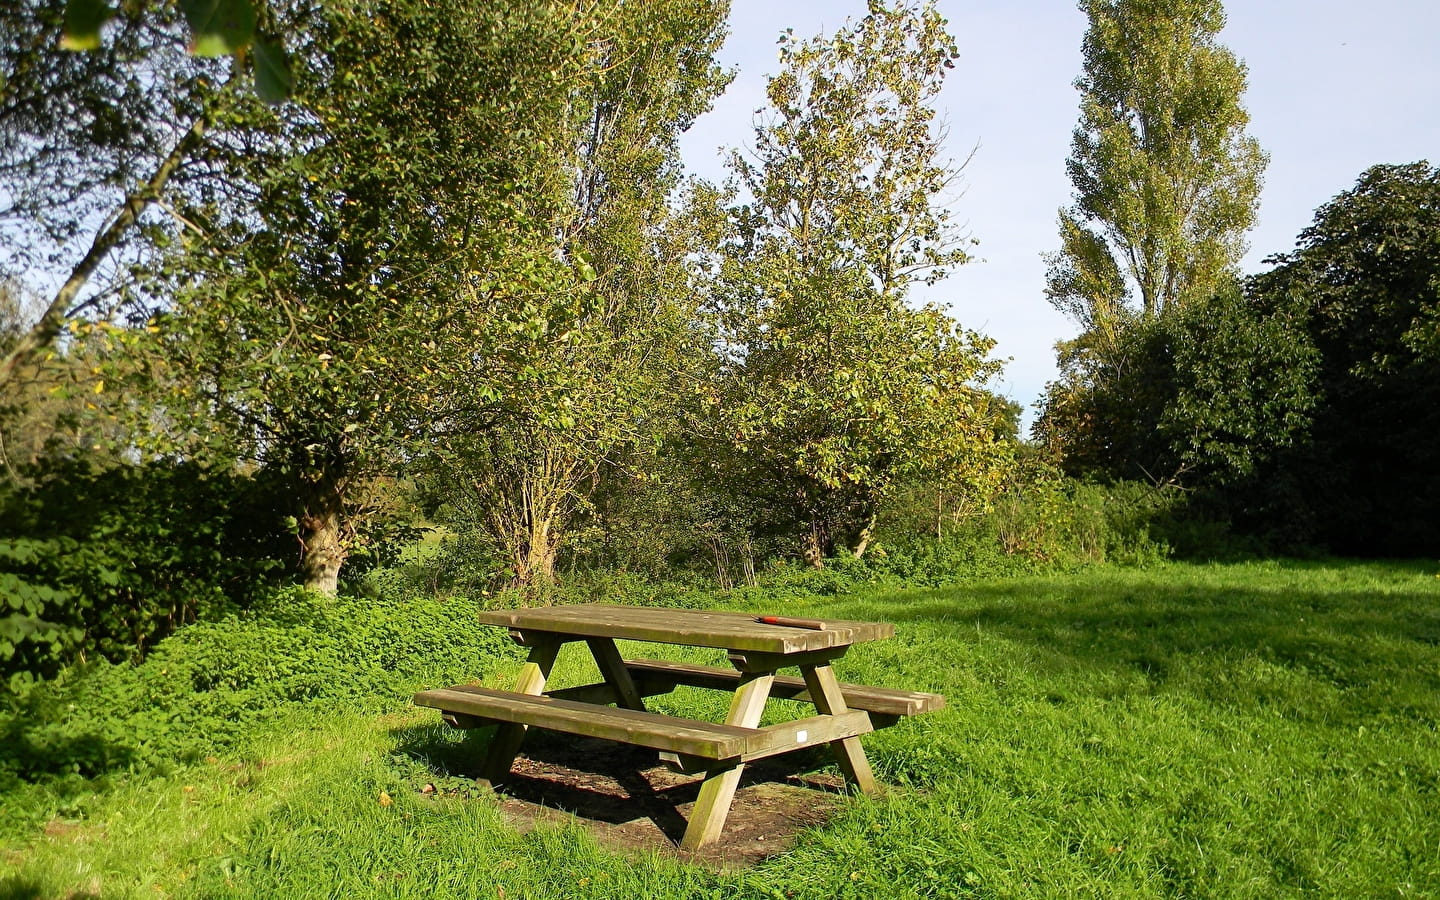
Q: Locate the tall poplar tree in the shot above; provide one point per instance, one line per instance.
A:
(1166, 179)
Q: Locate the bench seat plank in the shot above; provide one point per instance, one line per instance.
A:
(654, 674)
(645, 729)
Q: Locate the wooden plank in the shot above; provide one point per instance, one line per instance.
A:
(699, 628)
(801, 733)
(607, 657)
(785, 737)
(825, 694)
(712, 807)
(760, 661)
(600, 693)
(531, 680)
(645, 729)
(536, 670)
(462, 721)
(653, 674)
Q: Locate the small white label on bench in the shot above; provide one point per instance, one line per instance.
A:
(800, 736)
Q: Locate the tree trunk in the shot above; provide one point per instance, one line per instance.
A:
(534, 555)
(324, 537)
(863, 539)
(814, 547)
(527, 517)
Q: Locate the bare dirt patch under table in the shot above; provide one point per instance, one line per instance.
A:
(628, 800)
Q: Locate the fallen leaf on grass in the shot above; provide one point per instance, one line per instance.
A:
(385, 799)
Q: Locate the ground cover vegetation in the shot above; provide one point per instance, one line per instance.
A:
(1251, 729)
(310, 351)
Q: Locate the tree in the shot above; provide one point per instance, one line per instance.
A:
(1210, 395)
(390, 256)
(1166, 180)
(1302, 410)
(831, 389)
(1367, 272)
(49, 410)
(603, 383)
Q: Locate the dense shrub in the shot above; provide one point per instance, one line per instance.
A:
(1040, 519)
(101, 562)
(1298, 410)
(203, 688)
(1367, 271)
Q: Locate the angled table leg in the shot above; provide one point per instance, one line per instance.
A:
(707, 817)
(612, 667)
(506, 743)
(825, 693)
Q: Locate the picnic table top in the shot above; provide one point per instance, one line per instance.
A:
(691, 627)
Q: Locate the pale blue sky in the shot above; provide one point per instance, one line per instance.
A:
(1335, 86)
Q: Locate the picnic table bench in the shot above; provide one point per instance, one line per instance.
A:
(757, 650)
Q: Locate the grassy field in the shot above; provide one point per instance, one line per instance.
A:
(1251, 730)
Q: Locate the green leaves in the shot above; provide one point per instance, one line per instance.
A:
(1367, 274)
(228, 27)
(392, 280)
(219, 27)
(119, 556)
(83, 21)
(836, 390)
(1166, 184)
(1166, 180)
(273, 79)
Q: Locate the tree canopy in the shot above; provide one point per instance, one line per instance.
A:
(833, 389)
(1166, 180)
(601, 384)
(380, 250)
(1367, 273)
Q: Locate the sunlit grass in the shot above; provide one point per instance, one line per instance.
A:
(1257, 730)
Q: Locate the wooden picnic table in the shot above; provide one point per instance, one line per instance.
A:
(756, 651)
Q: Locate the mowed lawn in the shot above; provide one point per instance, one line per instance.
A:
(1248, 730)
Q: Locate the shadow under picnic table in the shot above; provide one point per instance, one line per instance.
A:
(609, 784)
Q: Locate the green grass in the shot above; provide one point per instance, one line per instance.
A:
(1255, 730)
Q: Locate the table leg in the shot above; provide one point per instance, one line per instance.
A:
(707, 817)
(825, 693)
(612, 667)
(506, 742)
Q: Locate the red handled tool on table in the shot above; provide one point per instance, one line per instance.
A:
(814, 624)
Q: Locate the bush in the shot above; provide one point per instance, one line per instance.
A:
(102, 562)
(207, 685)
(1039, 520)
(463, 563)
